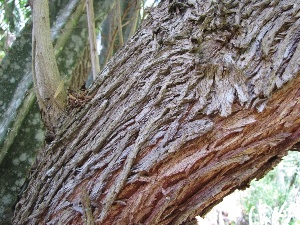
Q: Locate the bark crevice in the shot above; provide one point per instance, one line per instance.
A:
(191, 108)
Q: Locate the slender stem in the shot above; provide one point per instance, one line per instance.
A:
(51, 94)
(120, 23)
(92, 38)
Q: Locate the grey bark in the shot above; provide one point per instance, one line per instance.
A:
(200, 101)
(21, 130)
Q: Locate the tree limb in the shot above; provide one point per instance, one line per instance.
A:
(49, 86)
(203, 99)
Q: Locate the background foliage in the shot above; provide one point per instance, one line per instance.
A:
(13, 16)
(275, 199)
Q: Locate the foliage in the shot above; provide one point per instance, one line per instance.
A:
(13, 16)
(275, 198)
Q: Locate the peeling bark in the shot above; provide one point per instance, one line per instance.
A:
(203, 99)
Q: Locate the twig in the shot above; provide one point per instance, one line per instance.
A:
(92, 38)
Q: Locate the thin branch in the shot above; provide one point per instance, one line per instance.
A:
(81, 69)
(119, 15)
(9, 139)
(92, 38)
(49, 86)
(111, 47)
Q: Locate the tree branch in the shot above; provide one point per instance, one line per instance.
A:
(199, 102)
(92, 38)
(49, 86)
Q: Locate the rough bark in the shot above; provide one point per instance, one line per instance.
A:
(204, 98)
(21, 134)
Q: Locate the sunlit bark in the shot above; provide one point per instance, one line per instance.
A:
(204, 98)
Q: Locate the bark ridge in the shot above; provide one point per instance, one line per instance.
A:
(191, 108)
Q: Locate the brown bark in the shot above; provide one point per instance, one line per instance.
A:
(203, 99)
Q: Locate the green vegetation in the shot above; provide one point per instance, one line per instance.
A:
(13, 16)
(275, 199)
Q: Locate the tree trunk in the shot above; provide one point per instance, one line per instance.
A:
(203, 99)
(21, 130)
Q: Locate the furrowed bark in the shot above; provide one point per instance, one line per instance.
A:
(203, 99)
